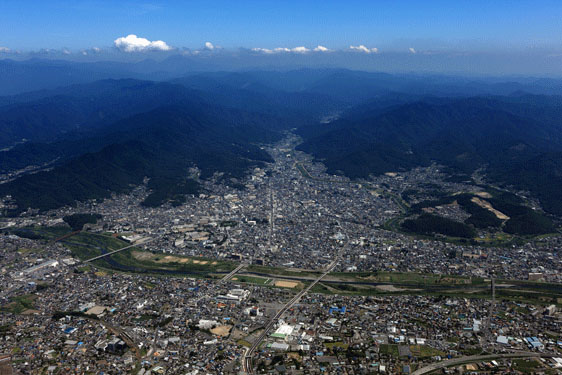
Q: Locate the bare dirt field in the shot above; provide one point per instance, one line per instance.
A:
(142, 255)
(172, 259)
(488, 206)
(145, 255)
(31, 312)
(221, 330)
(483, 194)
(286, 284)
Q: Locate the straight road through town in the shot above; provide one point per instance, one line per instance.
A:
(247, 365)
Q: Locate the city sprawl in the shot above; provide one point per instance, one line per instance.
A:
(289, 270)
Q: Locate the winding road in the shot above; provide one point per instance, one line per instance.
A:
(476, 358)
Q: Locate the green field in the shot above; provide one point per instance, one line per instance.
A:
(389, 349)
(19, 304)
(251, 279)
(526, 366)
(338, 344)
(424, 351)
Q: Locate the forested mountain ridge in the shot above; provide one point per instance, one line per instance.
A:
(465, 134)
(47, 115)
(162, 145)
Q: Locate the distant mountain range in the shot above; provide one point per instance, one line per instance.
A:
(107, 136)
(343, 84)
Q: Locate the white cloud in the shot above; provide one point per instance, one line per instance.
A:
(321, 49)
(91, 51)
(160, 46)
(362, 48)
(209, 46)
(4, 50)
(263, 50)
(300, 49)
(132, 43)
(412, 50)
(65, 51)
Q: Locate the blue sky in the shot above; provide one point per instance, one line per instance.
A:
(391, 25)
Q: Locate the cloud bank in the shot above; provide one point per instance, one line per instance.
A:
(362, 48)
(299, 49)
(132, 43)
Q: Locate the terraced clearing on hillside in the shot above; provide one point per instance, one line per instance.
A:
(498, 217)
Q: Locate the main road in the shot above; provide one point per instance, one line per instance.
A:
(141, 242)
(247, 365)
(232, 273)
(475, 358)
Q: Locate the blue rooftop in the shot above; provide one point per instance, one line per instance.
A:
(341, 310)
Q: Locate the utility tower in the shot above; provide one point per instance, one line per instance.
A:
(271, 218)
(492, 308)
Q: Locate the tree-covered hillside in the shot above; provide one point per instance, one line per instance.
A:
(464, 134)
(162, 145)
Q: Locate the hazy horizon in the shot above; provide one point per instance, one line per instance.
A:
(465, 37)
